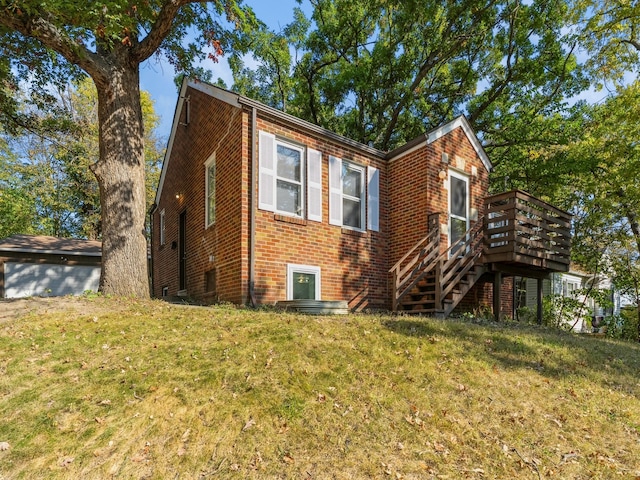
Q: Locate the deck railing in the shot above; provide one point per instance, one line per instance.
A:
(522, 229)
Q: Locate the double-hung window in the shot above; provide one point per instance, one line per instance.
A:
(210, 193)
(289, 178)
(283, 183)
(162, 228)
(352, 195)
(350, 204)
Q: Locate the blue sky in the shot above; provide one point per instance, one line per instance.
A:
(157, 77)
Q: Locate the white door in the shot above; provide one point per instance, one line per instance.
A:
(458, 206)
(42, 279)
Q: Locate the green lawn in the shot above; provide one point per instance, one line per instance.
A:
(115, 388)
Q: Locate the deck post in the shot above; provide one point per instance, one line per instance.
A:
(497, 286)
(394, 293)
(539, 300)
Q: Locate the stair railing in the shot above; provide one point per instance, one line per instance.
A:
(454, 265)
(411, 268)
(425, 257)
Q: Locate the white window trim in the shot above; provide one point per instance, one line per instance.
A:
(465, 178)
(314, 185)
(163, 237)
(210, 162)
(301, 213)
(361, 198)
(310, 269)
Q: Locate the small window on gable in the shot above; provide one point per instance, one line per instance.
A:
(210, 194)
(303, 282)
(162, 228)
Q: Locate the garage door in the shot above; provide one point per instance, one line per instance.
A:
(31, 279)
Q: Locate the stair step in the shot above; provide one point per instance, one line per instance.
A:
(416, 302)
(430, 311)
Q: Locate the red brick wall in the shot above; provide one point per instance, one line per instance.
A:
(353, 264)
(481, 296)
(416, 191)
(214, 126)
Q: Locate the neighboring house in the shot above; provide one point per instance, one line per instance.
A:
(48, 266)
(572, 284)
(257, 206)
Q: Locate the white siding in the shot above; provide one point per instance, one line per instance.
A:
(36, 279)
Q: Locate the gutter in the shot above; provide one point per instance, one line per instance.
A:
(252, 209)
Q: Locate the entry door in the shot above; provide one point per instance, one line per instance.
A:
(182, 251)
(458, 206)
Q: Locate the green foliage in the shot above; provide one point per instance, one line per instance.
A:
(623, 326)
(47, 183)
(564, 312)
(384, 72)
(608, 30)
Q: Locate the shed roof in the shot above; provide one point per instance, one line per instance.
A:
(50, 245)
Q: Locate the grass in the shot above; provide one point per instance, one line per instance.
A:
(117, 388)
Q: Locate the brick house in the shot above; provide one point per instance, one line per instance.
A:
(257, 206)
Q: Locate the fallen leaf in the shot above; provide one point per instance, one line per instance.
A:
(287, 459)
(66, 461)
(99, 420)
(4, 446)
(104, 402)
(250, 423)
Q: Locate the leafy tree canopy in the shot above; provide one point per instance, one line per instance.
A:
(48, 43)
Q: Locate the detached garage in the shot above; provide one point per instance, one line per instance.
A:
(48, 266)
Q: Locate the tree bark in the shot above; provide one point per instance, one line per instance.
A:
(120, 173)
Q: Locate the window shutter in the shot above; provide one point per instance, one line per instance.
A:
(373, 201)
(335, 190)
(314, 185)
(267, 181)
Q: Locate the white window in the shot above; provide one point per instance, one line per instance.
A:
(289, 173)
(281, 176)
(210, 190)
(347, 195)
(458, 206)
(303, 282)
(162, 228)
(352, 195)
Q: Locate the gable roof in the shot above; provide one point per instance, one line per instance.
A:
(238, 101)
(50, 245)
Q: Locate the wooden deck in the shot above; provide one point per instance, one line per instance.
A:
(523, 232)
(518, 235)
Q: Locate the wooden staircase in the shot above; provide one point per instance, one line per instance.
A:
(433, 282)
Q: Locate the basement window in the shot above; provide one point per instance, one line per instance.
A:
(303, 282)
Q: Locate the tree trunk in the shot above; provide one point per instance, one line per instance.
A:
(120, 173)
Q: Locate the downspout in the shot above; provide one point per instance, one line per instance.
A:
(252, 210)
(152, 210)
